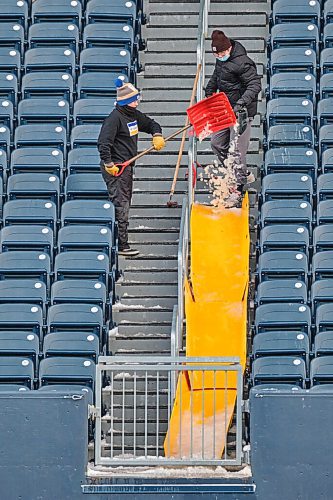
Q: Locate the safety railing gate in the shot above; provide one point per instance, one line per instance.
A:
(134, 404)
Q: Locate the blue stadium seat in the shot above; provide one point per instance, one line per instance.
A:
(118, 11)
(280, 316)
(290, 134)
(285, 11)
(322, 265)
(6, 114)
(279, 369)
(62, 10)
(323, 344)
(281, 291)
(83, 160)
(21, 317)
(325, 111)
(15, 12)
(328, 36)
(326, 61)
(323, 238)
(110, 35)
(287, 211)
(23, 291)
(66, 370)
(328, 11)
(98, 84)
(325, 138)
(32, 185)
(48, 135)
(10, 61)
(281, 264)
(321, 370)
(324, 317)
(43, 110)
(83, 136)
(8, 87)
(75, 317)
(18, 343)
(291, 159)
(324, 212)
(293, 59)
(16, 370)
(91, 212)
(321, 293)
(327, 160)
(293, 84)
(325, 388)
(5, 139)
(30, 212)
(69, 390)
(27, 237)
(326, 86)
(93, 110)
(3, 165)
(287, 185)
(325, 186)
(54, 34)
(12, 36)
(13, 388)
(79, 291)
(71, 344)
(294, 34)
(106, 59)
(54, 84)
(81, 186)
(281, 343)
(82, 265)
(50, 59)
(86, 237)
(284, 237)
(37, 159)
(289, 110)
(20, 264)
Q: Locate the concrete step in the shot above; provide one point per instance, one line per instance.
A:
(171, 123)
(159, 70)
(204, 146)
(191, 20)
(154, 224)
(204, 157)
(173, 46)
(153, 237)
(154, 199)
(148, 265)
(159, 276)
(157, 172)
(220, 7)
(187, 58)
(162, 212)
(123, 347)
(149, 302)
(133, 331)
(142, 316)
(152, 32)
(158, 186)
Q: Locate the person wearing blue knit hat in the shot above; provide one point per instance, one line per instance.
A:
(117, 143)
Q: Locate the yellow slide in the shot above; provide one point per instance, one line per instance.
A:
(216, 324)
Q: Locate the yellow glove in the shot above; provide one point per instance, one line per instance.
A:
(111, 168)
(158, 142)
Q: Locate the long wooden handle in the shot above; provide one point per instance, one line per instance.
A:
(182, 144)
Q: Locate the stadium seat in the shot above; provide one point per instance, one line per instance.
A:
(18, 343)
(86, 237)
(118, 11)
(324, 212)
(13, 388)
(281, 291)
(98, 84)
(27, 237)
(21, 317)
(16, 370)
(32, 185)
(93, 110)
(48, 110)
(54, 84)
(279, 369)
(52, 34)
(283, 264)
(293, 84)
(323, 344)
(3, 165)
(48, 135)
(285, 11)
(62, 10)
(20, 264)
(10, 61)
(321, 293)
(325, 388)
(280, 316)
(287, 211)
(91, 212)
(67, 370)
(50, 59)
(12, 36)
(322, 265)
(30, 212)
(82, 265)
(6, 113)
(294, 34)
(323, 238)
(75, 317)
(83, 186)
(290, 134)
(8, 87)
(106, 59)
(28, 291)
(324, 317)
(71, 344)
(287, 185)
(289, 110)
(83, 136)
(327, 160)
(69, 390)
(110, 35)
(325, 138)
(83, 160)
(15, 12)
(293, 59)
(37, 159)
(5, 139)
(281, 343)
(79, 291)
(321, 370)
(326, 86)
(325, 186)
(326, 61)
(325, 111)
(284, 237)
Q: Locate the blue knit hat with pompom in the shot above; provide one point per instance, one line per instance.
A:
(126, 93)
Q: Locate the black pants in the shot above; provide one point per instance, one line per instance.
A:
(120, 193)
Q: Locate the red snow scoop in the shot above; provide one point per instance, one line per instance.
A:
(207, 116)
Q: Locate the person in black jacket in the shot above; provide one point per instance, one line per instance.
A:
(118, 142)
(236, 75)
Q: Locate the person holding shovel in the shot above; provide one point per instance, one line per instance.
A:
(236, 75)
(117, 143)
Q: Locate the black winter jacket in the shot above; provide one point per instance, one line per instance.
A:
(237, 78)
(118, 138)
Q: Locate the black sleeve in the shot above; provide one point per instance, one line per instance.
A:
(106, 137)
(211, 86)
(147, 125)
(251, 81)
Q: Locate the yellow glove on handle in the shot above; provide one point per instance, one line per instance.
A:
(111, 168)
(158, 142)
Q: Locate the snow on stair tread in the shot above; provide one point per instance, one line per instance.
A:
(191, 20)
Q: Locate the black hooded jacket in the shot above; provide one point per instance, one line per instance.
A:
(118, 138)
(237, 78)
